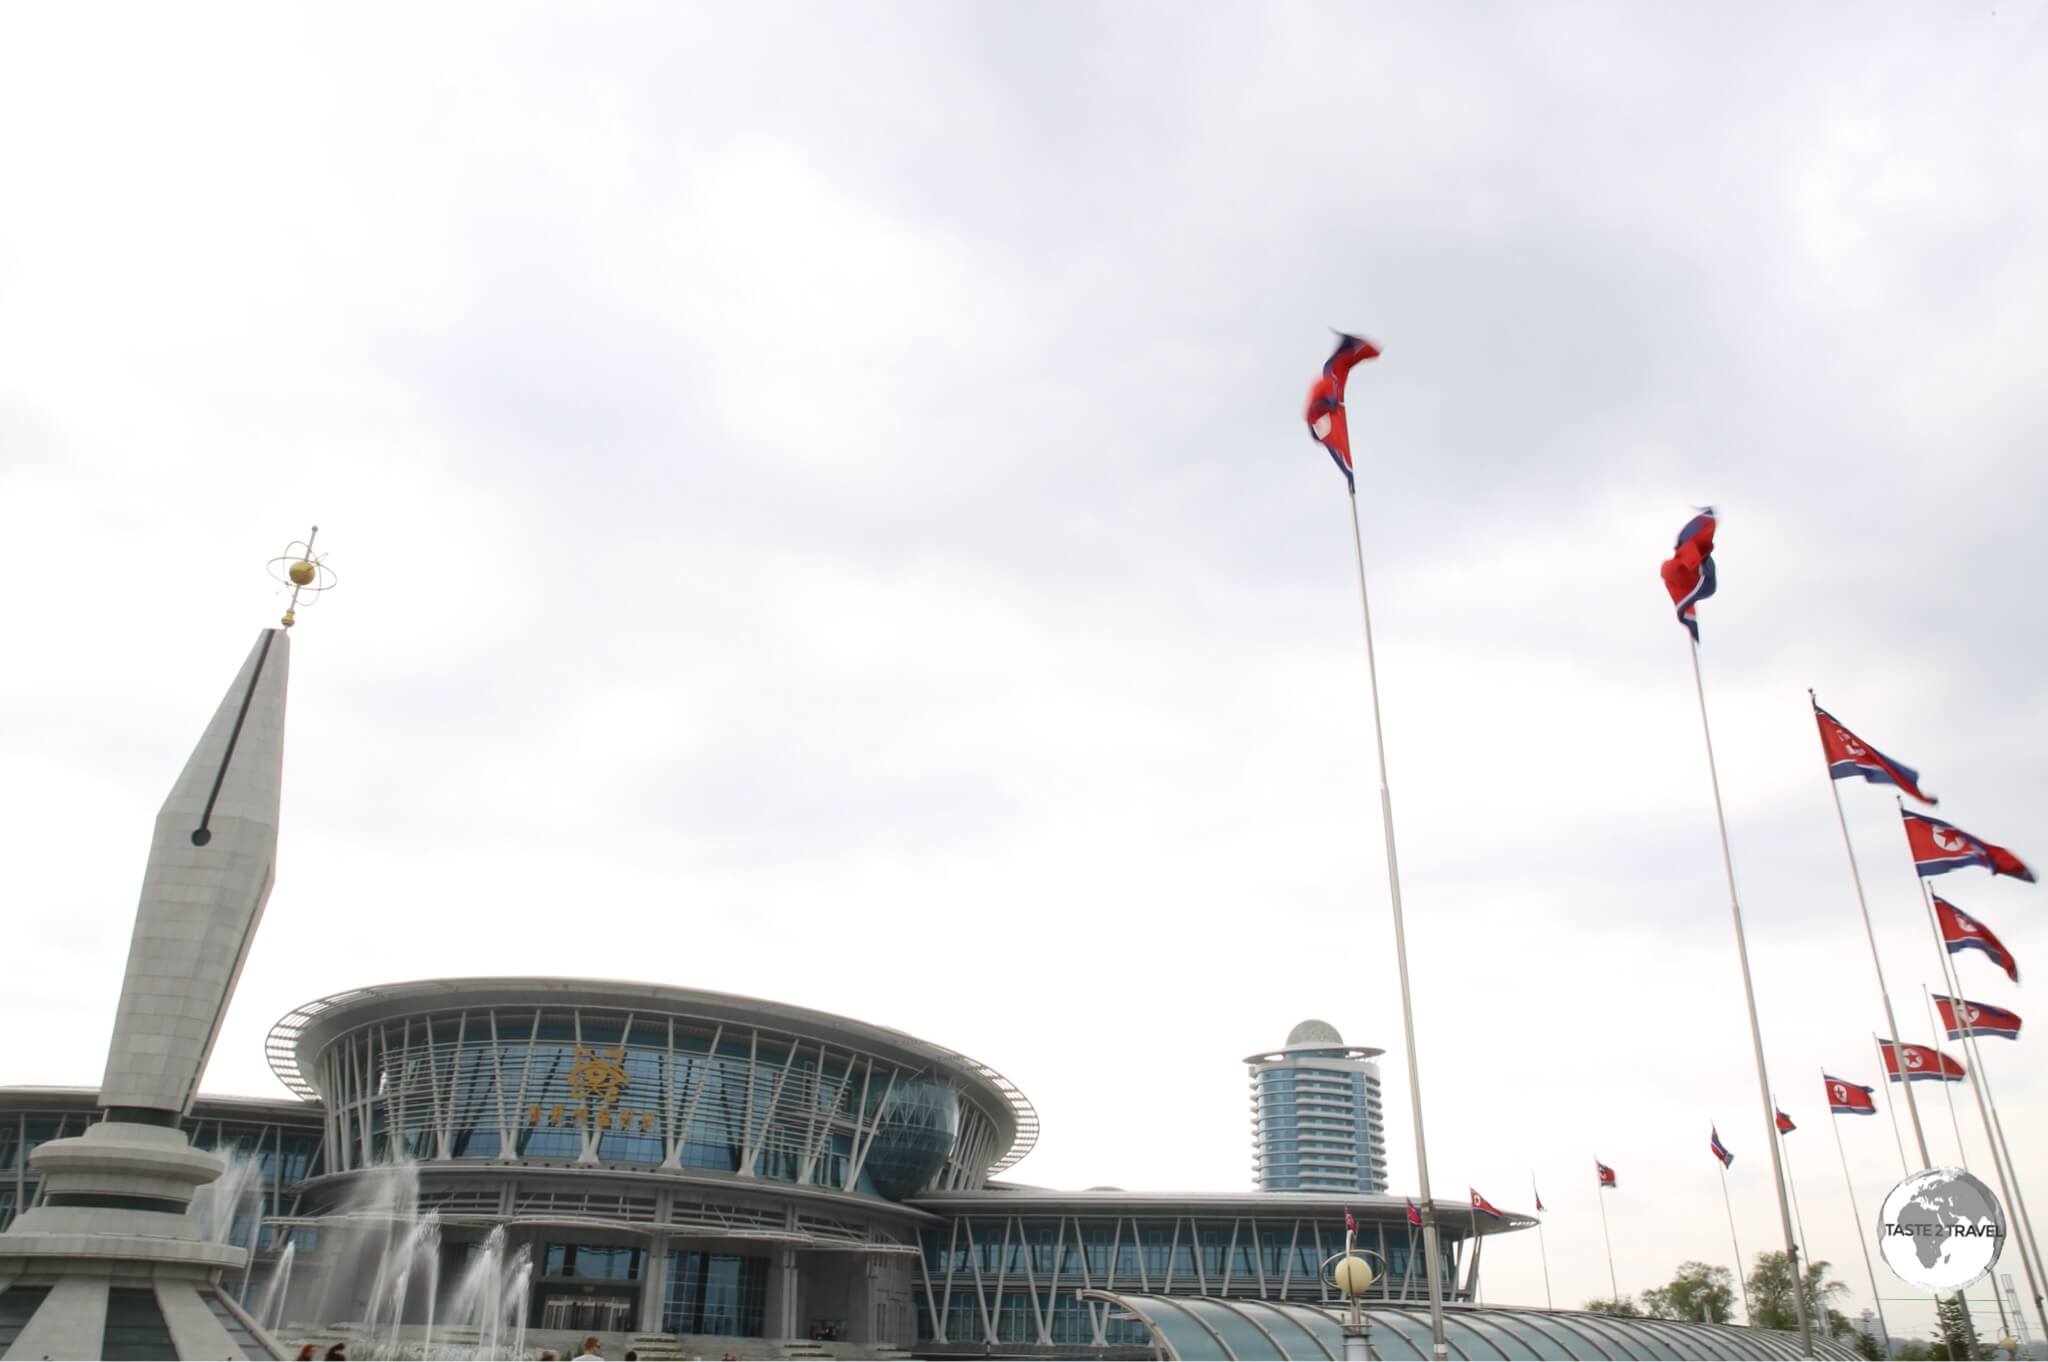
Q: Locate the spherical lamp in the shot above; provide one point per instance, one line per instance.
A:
(1353, 1276)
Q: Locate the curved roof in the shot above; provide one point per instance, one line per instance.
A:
(1314, 1031)
(307, 1029)
(1213, 1327)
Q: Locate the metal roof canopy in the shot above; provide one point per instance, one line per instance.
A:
(1202, 1327)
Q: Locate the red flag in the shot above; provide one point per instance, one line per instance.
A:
(1785, 1126)
(1849, 756)
(1849, 1099)
(1605, 1174)
(1538, 1195)
(1689, 571)
(1350, 1222)
(1325, 414)
(1980, 1019)
(1960, 932)
(1940, 847)
(1481, 1205)
(1922, 1065)
(1414, 1213)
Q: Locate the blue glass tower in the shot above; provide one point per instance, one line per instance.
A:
(1317, 1125)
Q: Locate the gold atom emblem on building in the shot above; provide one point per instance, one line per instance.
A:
(596, 1081)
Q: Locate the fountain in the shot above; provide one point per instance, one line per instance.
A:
(216, 1206)
(270, 1311)
(380, 1270)
(491, 1297)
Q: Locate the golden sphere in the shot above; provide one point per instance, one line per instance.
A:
(1354, 1276)
(302, 573)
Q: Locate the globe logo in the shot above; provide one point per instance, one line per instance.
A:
(1940, 1230)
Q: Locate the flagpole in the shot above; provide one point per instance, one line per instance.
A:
(1408, 1268)
(1848, 1183)
(2005, 1184)
(1891, 1107)
(1542, 1247)
(1472, 1274)
(1600, 1194)
(1748, 1315)
(1756, 1033)
(1869, 934)
(1948, 1089)
(2028, 1244)
(1941, 953)
(1898, 1055)
(1792, 1183)
(1432, 1260)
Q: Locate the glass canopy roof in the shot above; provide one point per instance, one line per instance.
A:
(1202, 1327)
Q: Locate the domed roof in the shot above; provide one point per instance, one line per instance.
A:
(1314, 1032)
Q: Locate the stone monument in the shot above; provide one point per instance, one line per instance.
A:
(108, 1262)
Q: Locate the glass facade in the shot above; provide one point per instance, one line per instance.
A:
(282, 1155)
(715, 1293)
(584, 1085)
(602, 1261)
(1016, 1271)
(915, 1131)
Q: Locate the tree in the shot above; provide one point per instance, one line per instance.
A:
(1699, 1291)
(1958, 1339)
(1625, 1306)
(1770, 1296)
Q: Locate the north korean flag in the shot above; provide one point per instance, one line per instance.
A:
(1538, 1195)
(1940, 847)
(1414, 1213)
(1848, 755)
(1785, 1126)
(1922, 1065)
(1961, 933)
(1849, 1099)
(1979, 1019)
(1350, 1221)
(1720, 1150)
(1605, 1174)
(1325, 413)
(1689, 571)
(1481, 1206)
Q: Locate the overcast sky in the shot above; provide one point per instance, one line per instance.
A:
(823, 512)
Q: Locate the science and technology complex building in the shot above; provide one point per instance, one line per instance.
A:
(689, 1163)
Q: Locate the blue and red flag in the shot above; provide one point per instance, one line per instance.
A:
(1414, 1213)
(1979, 1019)
(1689, 571)
(1325, 413)
(1849, 1099)
(1538, 1195)
(1940, 847)
(1481, 1206)
(1785, 1126)
(1922, 1064)
(1721, 1150)
(1962, 933)
(1350, 1222)
(1848, 755)
(1604, 1173)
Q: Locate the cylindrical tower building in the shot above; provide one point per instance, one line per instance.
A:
(1316, 1117)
